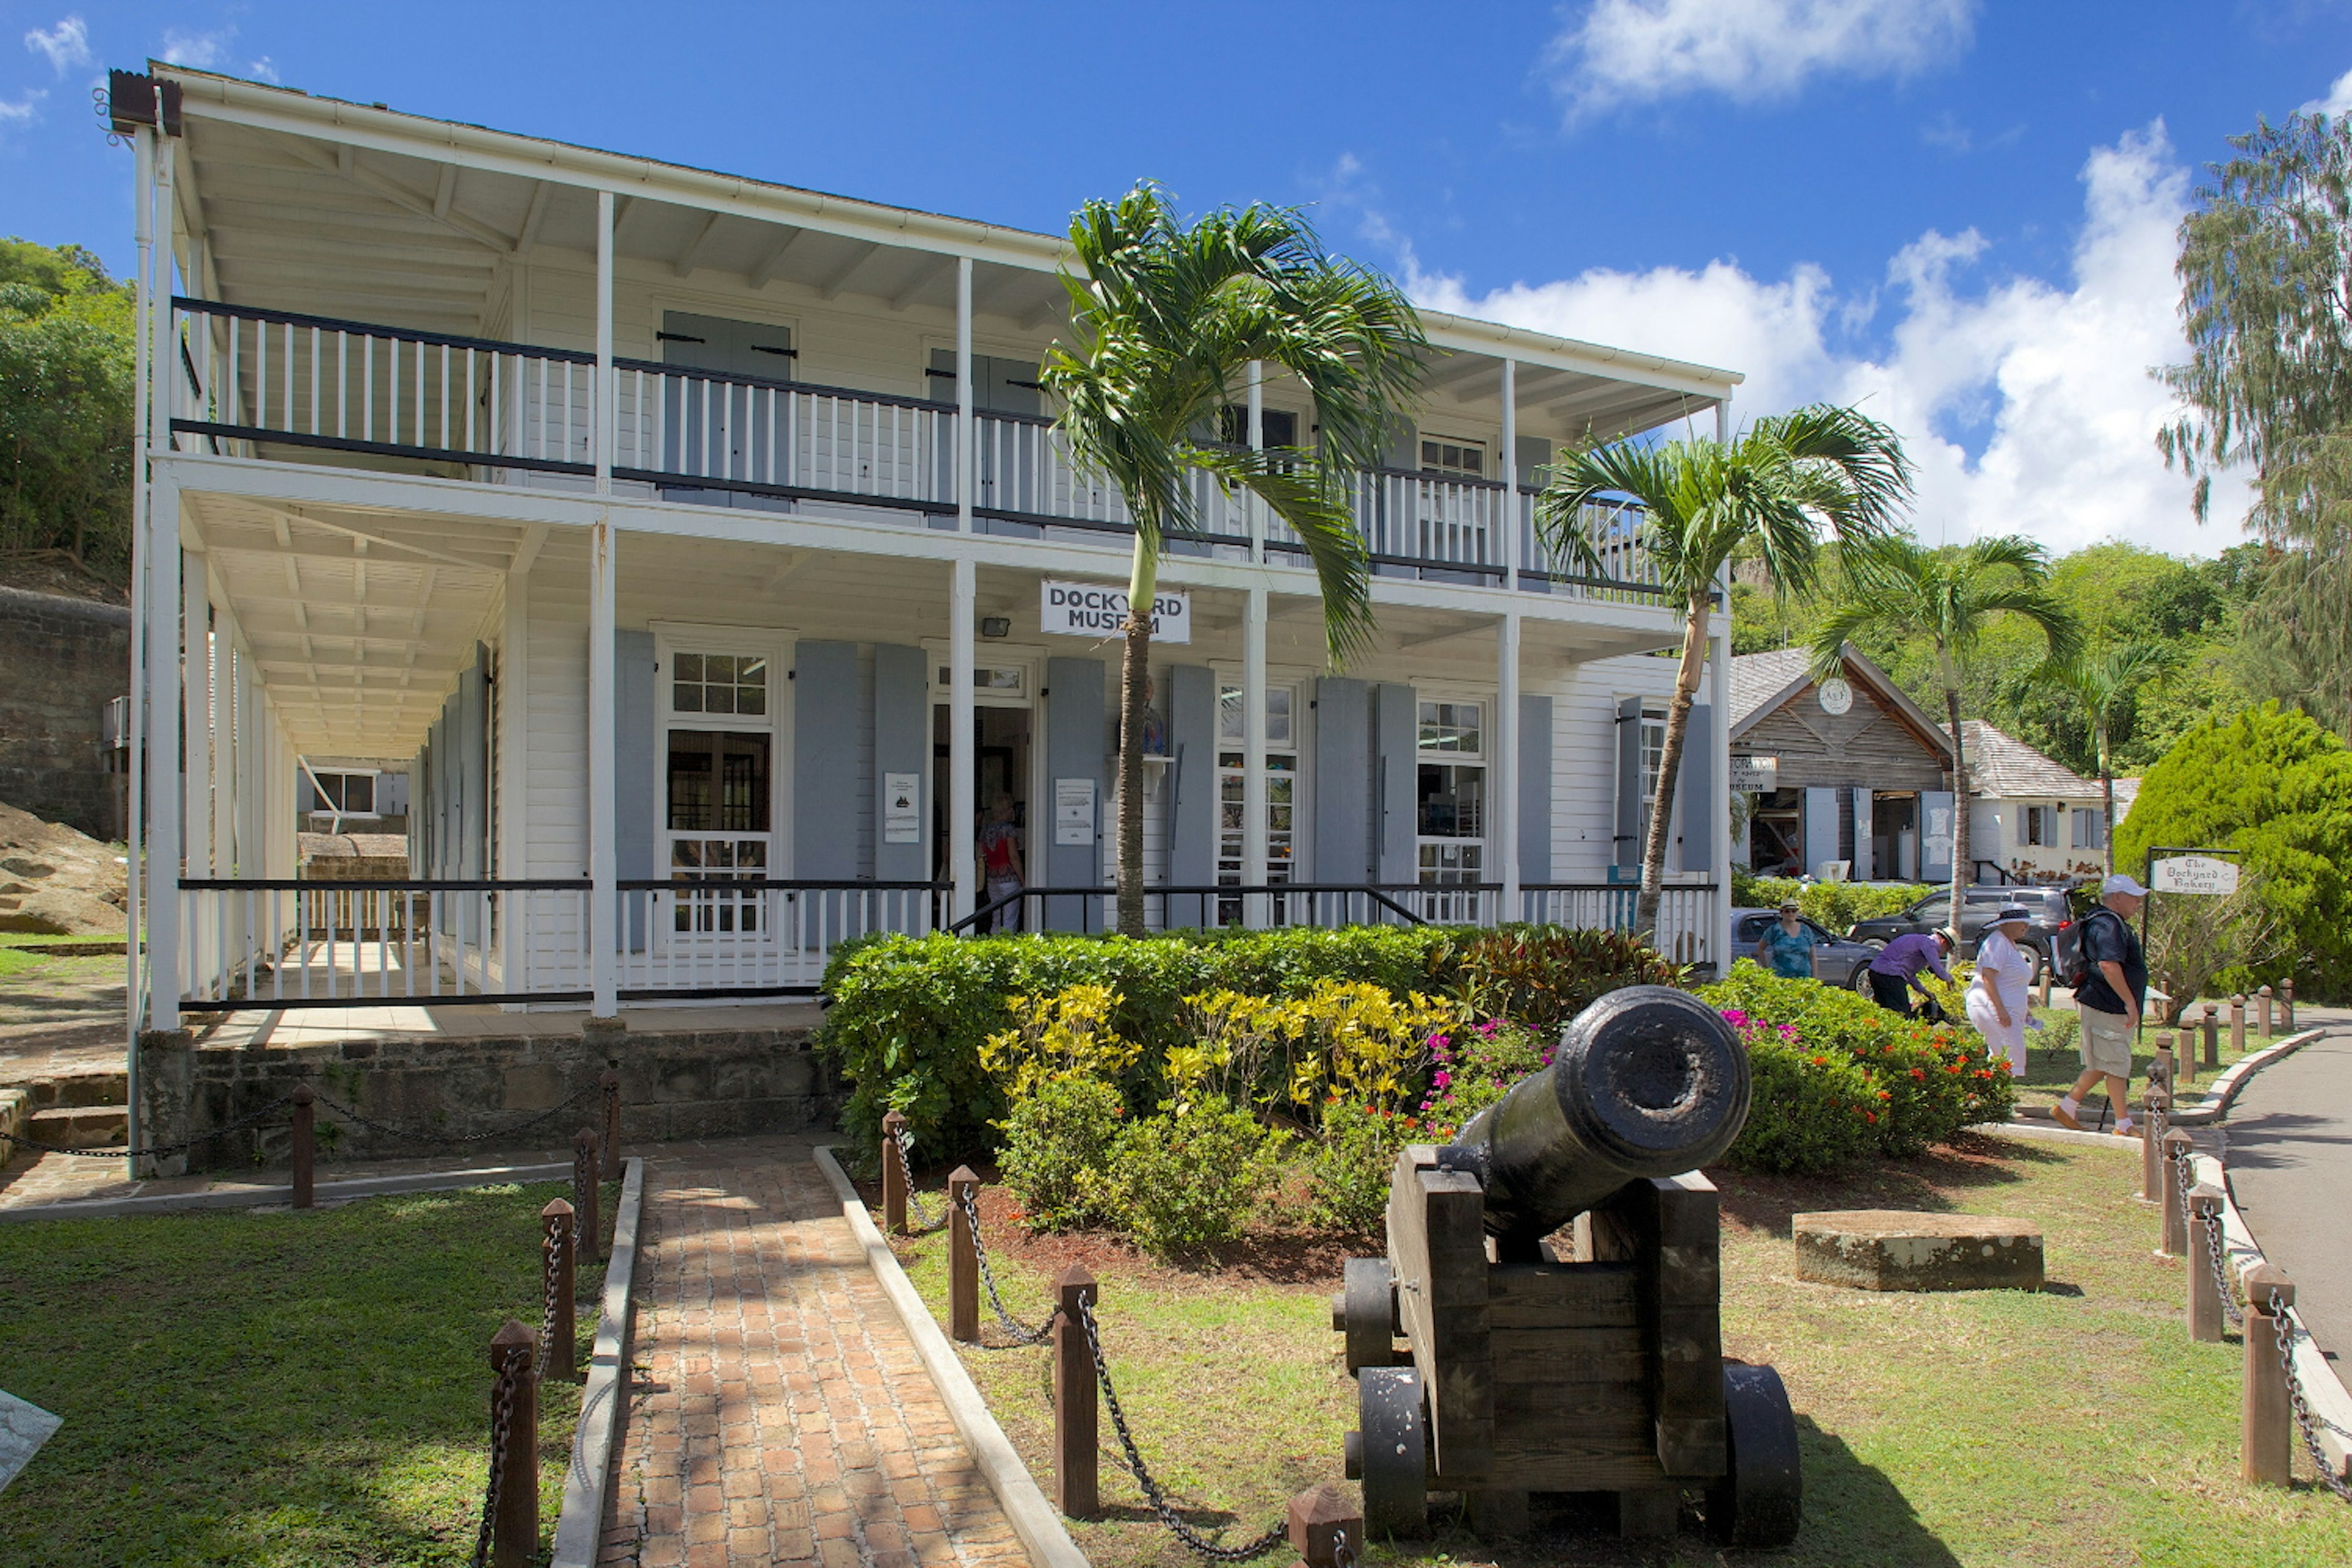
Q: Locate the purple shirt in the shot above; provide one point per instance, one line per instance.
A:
(1907, 955)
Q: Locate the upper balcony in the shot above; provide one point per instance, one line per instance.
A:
(379, 291)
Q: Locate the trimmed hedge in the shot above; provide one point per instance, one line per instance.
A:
(1838, 906)
(909, 1015)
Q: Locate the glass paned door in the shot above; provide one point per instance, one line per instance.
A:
(1281, 796)
(1450, 809)
(721, 785)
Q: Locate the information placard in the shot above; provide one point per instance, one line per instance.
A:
(1755, 776)
(2206, 874)
(1100, 610)
(1073, 811)
(902, 808)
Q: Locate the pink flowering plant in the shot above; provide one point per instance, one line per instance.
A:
(1473, 1065)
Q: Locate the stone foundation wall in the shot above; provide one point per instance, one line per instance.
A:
(702, 1084)
(64, 659)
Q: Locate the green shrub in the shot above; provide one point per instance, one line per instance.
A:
(1810, 1115)
(1058, 1143)
(1835, 905)
(1354, 1155)
(1541, 976)
(909, 1015)
(1180, 1182)
(1475, 1066)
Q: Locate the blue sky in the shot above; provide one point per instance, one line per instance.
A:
(1955, 213)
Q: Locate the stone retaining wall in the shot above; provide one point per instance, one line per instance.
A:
(688, 1084)
(65, 659)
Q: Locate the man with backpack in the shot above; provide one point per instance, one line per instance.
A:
(2110, 986)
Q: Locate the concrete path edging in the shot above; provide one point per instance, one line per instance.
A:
(1025, 1508)
(605, 1400)
(2224, 1089)
(2056, 1135)
(263, 1197)
(2322, 1385)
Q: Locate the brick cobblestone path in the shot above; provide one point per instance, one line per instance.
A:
(779, 1415)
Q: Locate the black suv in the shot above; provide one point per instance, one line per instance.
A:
(2051, 932)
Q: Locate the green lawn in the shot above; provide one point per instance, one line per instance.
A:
(2071, 1427)
(2051, 1071)
(277, 1389)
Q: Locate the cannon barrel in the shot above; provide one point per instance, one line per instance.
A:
(1647, 1081)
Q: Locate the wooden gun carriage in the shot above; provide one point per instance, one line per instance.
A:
(1590, 1362)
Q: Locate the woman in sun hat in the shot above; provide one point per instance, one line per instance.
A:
(1997, 994)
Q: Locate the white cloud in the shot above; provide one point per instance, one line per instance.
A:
(21, 110)
(1635, 50)
(202, 50)
(2338, 99)
(2027, 405)
(263, 69)
(67, 44)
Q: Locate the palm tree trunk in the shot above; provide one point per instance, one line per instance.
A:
(2108, 798)
(1670, 761)
(1134, 699)
(1963, 857)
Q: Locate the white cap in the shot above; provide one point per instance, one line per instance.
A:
(2119, 883)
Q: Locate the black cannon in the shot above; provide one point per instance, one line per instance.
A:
(1586, 1363)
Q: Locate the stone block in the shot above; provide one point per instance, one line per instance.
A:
(1898, 1249)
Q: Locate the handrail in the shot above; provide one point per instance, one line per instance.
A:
(775, 885)
(372, 885)
(817, 389)
(1434, 477)
(1226, 891)
(375, 330)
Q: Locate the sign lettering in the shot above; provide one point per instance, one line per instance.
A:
(2208, 875)
(1100, 610)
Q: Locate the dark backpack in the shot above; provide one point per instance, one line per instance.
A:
(2084, 969)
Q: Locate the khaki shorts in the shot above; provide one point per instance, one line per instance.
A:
(2105, 1043)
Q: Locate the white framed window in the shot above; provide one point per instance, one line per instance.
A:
(721, 775)
(1450, 793)
(2038, 825)
(1281, 794)
(1467, 458)
(2090, 827)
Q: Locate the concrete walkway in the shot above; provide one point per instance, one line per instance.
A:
(779, 1415)
(2290, 1164)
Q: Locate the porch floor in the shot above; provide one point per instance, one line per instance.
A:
(297, 1026)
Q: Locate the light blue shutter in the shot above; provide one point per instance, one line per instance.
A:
(1820, 828)
(1865, 853)
(1192, 791)
(1076, 747)
(1625, 850)
(824, 762)
(1343, 806)
(1935, 836)
(902, 744)
(1535, 785)
(1695, 803)
(1396, 760)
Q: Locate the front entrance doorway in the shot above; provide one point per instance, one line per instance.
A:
(1001, 770)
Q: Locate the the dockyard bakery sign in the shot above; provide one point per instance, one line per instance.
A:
(1100, 610)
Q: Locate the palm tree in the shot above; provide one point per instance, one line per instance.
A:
(2103, 684)
(1165, 322)
(1901, 588)
(1772, 491)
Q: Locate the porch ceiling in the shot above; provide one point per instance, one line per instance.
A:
(358, 623)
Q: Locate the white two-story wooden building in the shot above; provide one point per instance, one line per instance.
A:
(683, 537)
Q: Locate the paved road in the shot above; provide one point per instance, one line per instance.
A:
(2290, 1165)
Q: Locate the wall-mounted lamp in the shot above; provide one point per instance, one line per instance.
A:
(996, 625)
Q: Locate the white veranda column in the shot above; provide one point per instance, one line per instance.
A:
(604, 911)
(963, 604)
(964, 479)
(1508, 525)
(606, 423)
(1255, 911)
(1719, 693)
(163, 782)
(1503, 781)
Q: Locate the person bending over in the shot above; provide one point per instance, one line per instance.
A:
(1894, 972)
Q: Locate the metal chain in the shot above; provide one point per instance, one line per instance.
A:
(340, 1108)
(154, 1150)
(1254, 1547)
(1022, 1335)
(1343, 1555)
(551, 1241)
(2305, 1419)
(925, 1223)
(2222, 1285)
(501, 1420)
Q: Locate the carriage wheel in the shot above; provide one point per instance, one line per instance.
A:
(1394, 1449)
(1369, 1310)
(1760, 1501)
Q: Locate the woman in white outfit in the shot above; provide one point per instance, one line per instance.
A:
(1997, 994)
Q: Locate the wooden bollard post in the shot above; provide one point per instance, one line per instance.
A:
(586, 1229)
(2177, 1146)
(2045, 999)
(608, 1095)
(2204, 1290)
(2160, 1073)
(2269, 1024)
(2151, 1156)
(2237, 1025)
(963, 1257)
(514, 1528)
(1325, 1527)
(2213, 1036)
(305, 1150)
(894, 1175)
(1076, 1487)
(2287, 1006)
(2265, 1447)
(560, 1281)
(2184, 1060)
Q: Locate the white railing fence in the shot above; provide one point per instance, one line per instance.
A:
(1430, 521)
(752, 937)
(1685, 928)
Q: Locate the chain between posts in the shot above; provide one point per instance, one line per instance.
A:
(1022, 1335)
(924, 1224)
(2307, 1420)
(154, 1150)
(2222, 1285)
(340, 1108)
(551, 1243)
(1343, 1555)
(1255, 1547)
(503, 1397)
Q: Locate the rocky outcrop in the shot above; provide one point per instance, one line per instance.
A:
(55, 881)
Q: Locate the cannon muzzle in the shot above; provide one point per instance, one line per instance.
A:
(1648, 1081)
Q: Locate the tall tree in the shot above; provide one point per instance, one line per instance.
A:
(2265, 271)
(1951, 598)
(1772, 493)
(66, 408)
(1166, 319)
(2103, 684)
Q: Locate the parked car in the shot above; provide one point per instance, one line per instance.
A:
(1836, 960)
(2051, 934)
